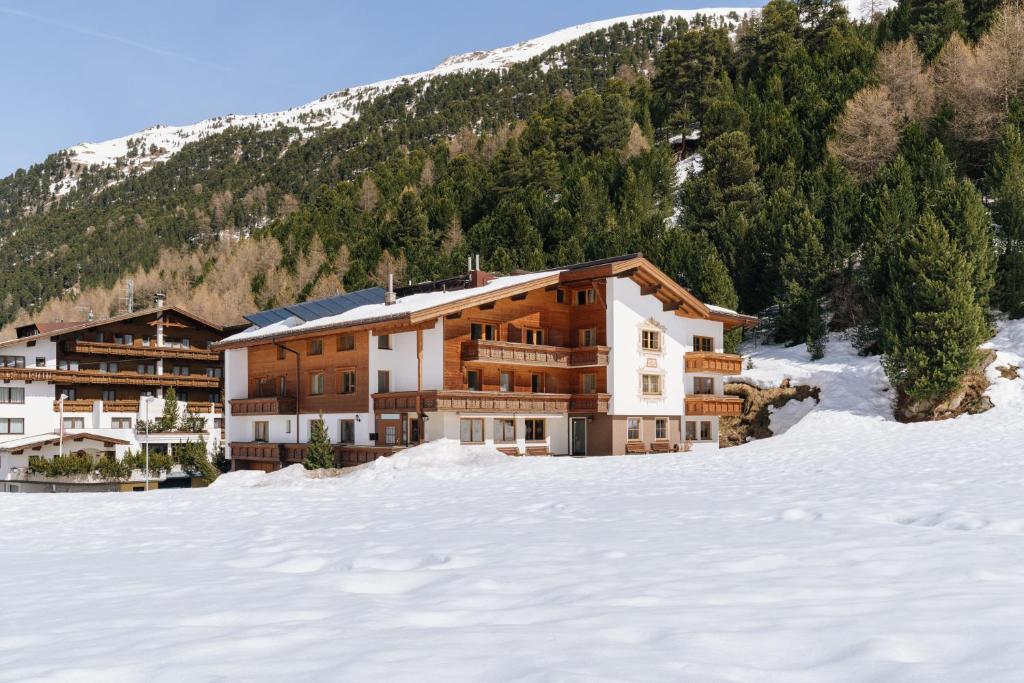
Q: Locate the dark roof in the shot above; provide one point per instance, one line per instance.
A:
(320, 308)
(42, 328)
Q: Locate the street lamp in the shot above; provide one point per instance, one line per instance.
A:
(146, 400)
(61, 401)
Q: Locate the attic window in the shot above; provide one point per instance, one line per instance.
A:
(586, 296)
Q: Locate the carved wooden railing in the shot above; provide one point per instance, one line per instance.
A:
(709, 406)
(203, 407)
(74, 405)
(483, 401)
(270, 405)
(139, 351)
(120, 406)
(253, 450)
(513, 353)
(589, 403)
(97, 377)
(723, 363)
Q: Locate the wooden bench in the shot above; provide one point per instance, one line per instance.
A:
(661, 447)
(509, 450)
(537, 450)
(635, 447)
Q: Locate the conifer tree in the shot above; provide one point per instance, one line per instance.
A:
(320, 453)
(1006, 180)
(169, 420)
(932, 22)
(931, 321)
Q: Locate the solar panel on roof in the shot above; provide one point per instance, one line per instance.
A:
(321, 308)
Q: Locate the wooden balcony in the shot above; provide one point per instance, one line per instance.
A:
(108, 378)
(589, 403)
(250, 450)
(120, 406)
(719, 363)
(26, 374)
(77, 405)
(472, 401)
(270, 405)
(139, 351)
(713, 405)
(203, 407)
(294, 452)
(512, 353)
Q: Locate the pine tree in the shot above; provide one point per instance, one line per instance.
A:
(1006, 180)
(320, 453)
(931, 323)
(932, 22)
(169, 420)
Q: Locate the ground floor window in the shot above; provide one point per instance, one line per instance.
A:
(633, 428)
(74, 423)
(261, 432)
(12, 425)
(121, 422)
(705, 431)
(471, 430)
(691, 430)
(346, 431)
(535, 430)
(661, 428)
(504, 430)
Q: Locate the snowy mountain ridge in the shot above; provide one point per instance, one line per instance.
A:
(140, 151)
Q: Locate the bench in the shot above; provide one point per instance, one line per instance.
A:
(537, 450)
(635, 447)
(661, 447)
(509, 450)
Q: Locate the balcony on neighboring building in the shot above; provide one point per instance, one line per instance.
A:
(108, 378)
(589, 403)
(256, 450)
(266, 405)
(85, 405)
(719, 363)
(141, 351)
(513, 353)
(714, 405)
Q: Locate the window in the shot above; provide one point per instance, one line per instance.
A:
(145, 341)
(65, 364)
(109, 395)
(536, 383)
(588, 337)
(121, 423)
(632, 428)
(180, 370)
(282, 385)
(471, 430)
(263, 387)
(414, 430)
(346, 342)
(534, 430)
(40, 362)
(585, 296)
(383, 381)
(691, 430)
(560, 296)
(13, 361)
(535, 337)
(280, 353)
(474, 380)
(124, 339)
(215, 372)
(185, 343)
(483, 331)
(346, 431)
(218, 423)
(99, 337)
(315, 347)
(182, 394)
(506, 381)
(661, 428)
(650, 340)
(106, 366)
(12, 394)
(504, 430)
(70, 392)
(384, 341)
(214, 397)
(288, 426)
(588, 383)
(651, 385)
(74, 423)
(316, 383)
(261, 432)
(705, 431)
(703, 344)
(12, 425)
(347, 382)
(146, 368)
(703, 385)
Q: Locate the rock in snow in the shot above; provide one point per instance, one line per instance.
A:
(850, 547)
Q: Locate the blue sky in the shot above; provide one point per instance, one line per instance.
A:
(87, 71)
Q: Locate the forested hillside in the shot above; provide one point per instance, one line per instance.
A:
(867, 175)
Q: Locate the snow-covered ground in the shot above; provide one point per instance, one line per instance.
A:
(849, 548)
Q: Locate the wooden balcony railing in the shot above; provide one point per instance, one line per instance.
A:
(722, 363)
(271, 405)
(513, 353)
(253, 450)
(74, 405)
(589, 403)
(108, 378)
(202, 407)
(26, 374)
(294, 452)
(709, 406)
(120, 406)
(139, 351)
(482, 401)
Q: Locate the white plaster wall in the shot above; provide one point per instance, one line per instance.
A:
(37, 410)
(433, 356)
(447, 425)
(400, 360)
(282, 427)
(236, 385)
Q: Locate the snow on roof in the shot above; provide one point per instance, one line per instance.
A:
(694, 134)
(54, 437)
(414, 303)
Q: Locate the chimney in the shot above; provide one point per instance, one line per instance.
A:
(477, 277)
(389, 296)
(159, 299)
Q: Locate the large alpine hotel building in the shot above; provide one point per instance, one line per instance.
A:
(606, 357)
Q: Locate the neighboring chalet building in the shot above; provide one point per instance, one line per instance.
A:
(110, 372)
(607, 357)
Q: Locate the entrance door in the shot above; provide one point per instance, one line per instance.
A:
(389, 432)
(578, 435)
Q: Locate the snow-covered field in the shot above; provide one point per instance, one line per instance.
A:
(849, 548)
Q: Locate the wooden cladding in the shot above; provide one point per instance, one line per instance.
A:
(489, 402)
(270, 405)
(265, 452)
(721, 363)
(721, 406)
(279, 454)
(512, 353)
(74, 406)
(140, 351)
